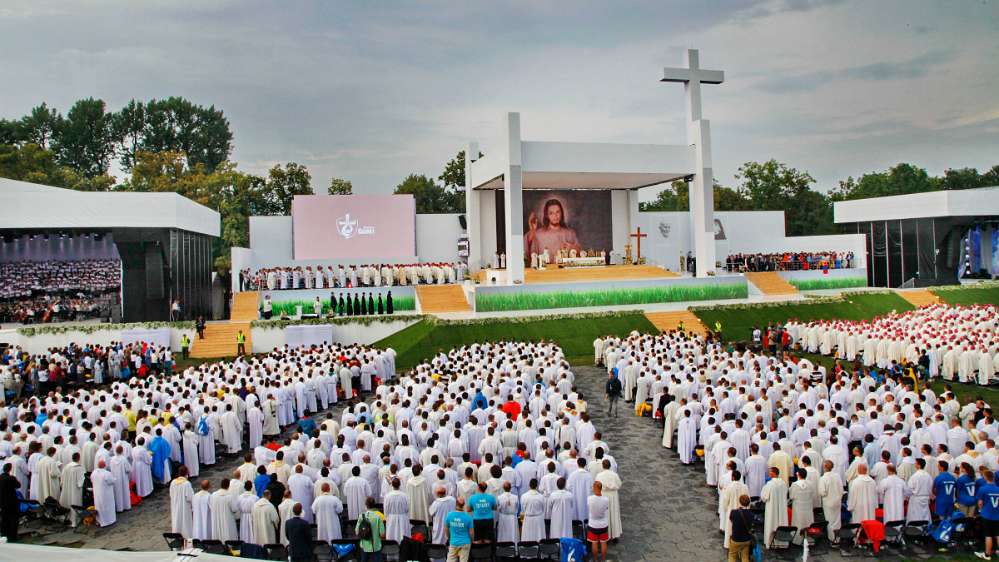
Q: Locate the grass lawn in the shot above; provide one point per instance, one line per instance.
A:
(574, 335)
(738, 323)
(489, 302)
(969, 296)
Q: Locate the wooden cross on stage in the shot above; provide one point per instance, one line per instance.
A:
(638, 242)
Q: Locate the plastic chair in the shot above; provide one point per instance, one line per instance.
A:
(481, 553)
(322, 551)
(529, 550)
(390, 550)
(52, 511)
(354, 554)
(234, 547)
(419, 526)
(213, 546)
(550, 549)
(175, 541)
(436, 552)
(894, 535)
(505, 552)
(782, 538)
(276, 551)
(847, 535)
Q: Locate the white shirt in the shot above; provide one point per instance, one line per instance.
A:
(599, 509)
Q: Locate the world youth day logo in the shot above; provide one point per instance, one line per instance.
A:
(348, 227)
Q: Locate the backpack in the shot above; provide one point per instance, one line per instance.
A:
(364, 528)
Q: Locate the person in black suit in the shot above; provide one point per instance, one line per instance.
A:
(299, 536)
(10, 506)
(276, 488)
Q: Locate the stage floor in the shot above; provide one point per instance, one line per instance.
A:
(605, 273)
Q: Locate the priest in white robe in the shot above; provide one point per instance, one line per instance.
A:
(831, 496)
(892, 491)
(103, 482)
(728, 501)
(862, 499)
(142, 470)
(920, 486)
(327, 509)
(265, 520)
(181, 505)
(356, 490)
(223, 512)
(533, 506)
(801, 497)
(774, 497)
(245, 503)
(507, 507)
(443, 505)
(121, 468)
(561, 505)
(396, 505)
(71, 482)
(48, 474)
(302, 491)
(686, 437)
(611, 485)
(418, 494)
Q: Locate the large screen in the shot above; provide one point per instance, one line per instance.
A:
(567, 219)
(335, 227)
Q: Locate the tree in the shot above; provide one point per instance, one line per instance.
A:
(40, 125)
(453, 176)
(10, 132)
(961, 178)
(340, 186)
(430, 197)
(85, 140)
(283, 184)
(775, 186)
(901, 179)
(177, 125)
(676, 197)
(129, 129)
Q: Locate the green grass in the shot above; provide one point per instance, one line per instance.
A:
(970, 295)
(738, 322)
(486, 302)
(828, 283)
(288, 307)
(574, 335)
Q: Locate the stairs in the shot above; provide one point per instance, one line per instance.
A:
(245, 306)
(919, 297)
(771, 283)
(666, 321)
(442, 298)
(220, 340)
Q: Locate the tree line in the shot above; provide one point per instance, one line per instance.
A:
(775, 186)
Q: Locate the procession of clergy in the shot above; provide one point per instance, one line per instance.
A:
(368, 275)
(959, 342)
(789, 434)
(501, 419)
(135, 432)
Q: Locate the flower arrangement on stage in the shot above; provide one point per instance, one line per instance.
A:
(608, 297)
(437, 321)
(93, 328)
(827, 283)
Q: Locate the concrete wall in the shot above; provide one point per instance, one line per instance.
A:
(271, 240)
(266, 339)
(41, 343)
(437, 237)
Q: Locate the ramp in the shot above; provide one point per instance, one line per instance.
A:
(771, 283)
(220, 340)
(442, 298)
(919, 297)
(666, 321)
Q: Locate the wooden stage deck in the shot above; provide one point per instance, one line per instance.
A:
(607, 273)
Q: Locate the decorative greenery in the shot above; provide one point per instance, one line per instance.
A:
(828, 283)
(279, 324)
(986, 292)
(486, 302)
(288, 307)
(93, 328)
(437, 321)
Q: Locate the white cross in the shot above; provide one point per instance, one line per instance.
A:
(692, 78)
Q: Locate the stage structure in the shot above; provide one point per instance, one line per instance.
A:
(499, 185)
(925, 239)
(163, 241)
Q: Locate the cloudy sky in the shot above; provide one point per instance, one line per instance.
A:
(373, 91)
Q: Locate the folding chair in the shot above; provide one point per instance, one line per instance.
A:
(322, 551)
(894, 535)
(966, 533)
(354, 554)
(276, 551)
(780, 544)
(84, 515)
(481, 553)
(234, 547)
(847, 535)
(550, 549)
(529, 550)
(52, 511)
(420, 527)
(213, 546)
(436, 552)
(175, 541)
(505, 552)
(390, 550)
(915, 532)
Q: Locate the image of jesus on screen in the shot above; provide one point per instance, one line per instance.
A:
(551, 231)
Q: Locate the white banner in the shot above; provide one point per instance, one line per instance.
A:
(317, 334)
(159, 337)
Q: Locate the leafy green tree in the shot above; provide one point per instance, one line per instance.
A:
(676, 197)
(85, 140)
(901, 179)
(453, 176)
(430, 197)
(961, 178)
(32, 163)
(39, 126)
(283, 184)
(129, 130)
(340, 186)
(10, 132)
(775, 186)
(177, 125)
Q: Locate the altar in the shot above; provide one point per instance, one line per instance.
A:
(587, 261)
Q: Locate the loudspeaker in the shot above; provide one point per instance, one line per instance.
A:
(463, 222)
(154, 271)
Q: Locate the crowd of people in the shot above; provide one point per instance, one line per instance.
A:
(789, 261)
(54, 291)
(340, 276)
(772, 435)
(955, 342)
(489, 442)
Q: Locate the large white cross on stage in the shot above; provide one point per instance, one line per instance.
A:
(699, 136)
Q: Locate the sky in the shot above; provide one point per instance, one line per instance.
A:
(374, 91)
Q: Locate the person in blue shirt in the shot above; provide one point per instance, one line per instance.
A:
(482, 506)
(261, 481)
(967, 500)
(988, 504)
(459, 530)
(306, 425)
(944, 491)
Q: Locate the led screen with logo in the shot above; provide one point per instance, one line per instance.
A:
(335, 227)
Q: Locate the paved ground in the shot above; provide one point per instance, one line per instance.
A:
(668, 513)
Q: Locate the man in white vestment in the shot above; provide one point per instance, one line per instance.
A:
(71, 481)
(920, 486)
(801, 497)
(862, 497)
(302, 491)
(561, 506)
(244, 503)
(181, 505)
(265, 520)
(223, 512)
(121, 468)
(892, 491)
(831, 494)
(396, 504)
(611, 483)
(327, 509)
(202, 513)
(103, 482)
(356, 490)
(142, 469)
(48, 472)
(533, 507)
(418, 494)
(729, 500)
(774, 497)
(507, 506)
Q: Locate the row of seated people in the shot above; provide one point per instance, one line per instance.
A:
(340, 276)
(24, 279)
(789, 261)
(42, 309)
